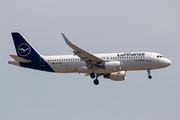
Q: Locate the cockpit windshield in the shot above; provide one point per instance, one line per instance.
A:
(160, 56)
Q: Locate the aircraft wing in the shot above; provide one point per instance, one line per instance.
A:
(85, 56)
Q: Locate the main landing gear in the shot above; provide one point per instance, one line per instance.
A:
(149, 74)
(92, 75)
(96, 81)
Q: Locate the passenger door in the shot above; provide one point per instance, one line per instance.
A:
(148, 60)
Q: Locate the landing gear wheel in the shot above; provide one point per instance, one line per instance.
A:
(149, 76)
(96, 82)
(92, 75)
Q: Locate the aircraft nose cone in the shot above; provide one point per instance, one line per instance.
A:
(167, 62)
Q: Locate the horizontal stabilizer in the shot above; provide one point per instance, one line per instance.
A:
(19, 59)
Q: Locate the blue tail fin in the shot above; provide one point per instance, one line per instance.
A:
(23, 48)
(27, 56)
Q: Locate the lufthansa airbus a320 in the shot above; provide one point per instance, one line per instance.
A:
(109, 65)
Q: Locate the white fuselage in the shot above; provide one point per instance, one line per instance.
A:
(129, 61)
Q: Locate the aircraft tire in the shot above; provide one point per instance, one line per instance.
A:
(150, 77)
(96, 82)
(92, 75)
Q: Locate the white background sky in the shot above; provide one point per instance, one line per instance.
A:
(97, 27)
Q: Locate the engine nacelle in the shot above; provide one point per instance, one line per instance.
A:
(116, 76)
(112, 66)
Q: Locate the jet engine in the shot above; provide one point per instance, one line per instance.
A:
(113, 66)
(116, 76)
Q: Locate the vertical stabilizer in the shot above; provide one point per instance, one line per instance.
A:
(27, 56)
(23, 48)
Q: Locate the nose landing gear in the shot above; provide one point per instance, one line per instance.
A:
(149, 74)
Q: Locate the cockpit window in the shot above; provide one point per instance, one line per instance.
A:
(160, 56)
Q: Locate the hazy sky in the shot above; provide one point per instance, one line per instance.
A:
(98, 27)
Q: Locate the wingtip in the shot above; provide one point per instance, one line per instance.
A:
(65, 38)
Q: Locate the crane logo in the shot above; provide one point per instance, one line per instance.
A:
(24, 49)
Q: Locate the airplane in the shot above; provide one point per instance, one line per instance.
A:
(110, 65)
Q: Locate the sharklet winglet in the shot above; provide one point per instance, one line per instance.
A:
(65, 38)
